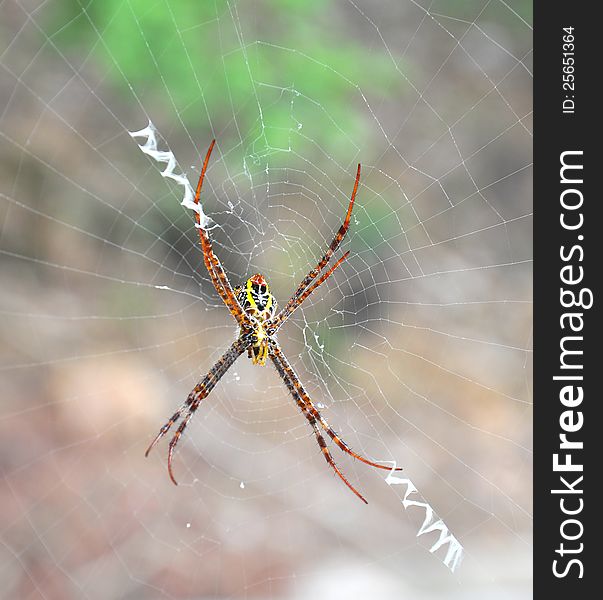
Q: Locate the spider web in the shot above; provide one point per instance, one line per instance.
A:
(417, 350)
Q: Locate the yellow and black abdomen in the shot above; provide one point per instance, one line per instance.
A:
(257, 301)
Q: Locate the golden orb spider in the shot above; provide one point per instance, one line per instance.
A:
(254, 308)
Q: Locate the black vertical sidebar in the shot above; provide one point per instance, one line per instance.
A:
(566, 50)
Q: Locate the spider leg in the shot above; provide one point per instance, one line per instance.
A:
(199, 392)
(165, 428)
(312, 410)
(285, 314)
(295, 300)
(276, 359)
(329, 459)
(175, 439)
(212, 263)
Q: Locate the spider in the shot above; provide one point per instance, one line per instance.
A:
(254, 308)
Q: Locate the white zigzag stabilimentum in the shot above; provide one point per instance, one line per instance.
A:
(167, 156)
(431, 523)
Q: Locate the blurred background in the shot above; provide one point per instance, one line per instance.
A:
(417, 350)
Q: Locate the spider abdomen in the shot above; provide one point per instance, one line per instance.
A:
(255, 298)
(259, 304)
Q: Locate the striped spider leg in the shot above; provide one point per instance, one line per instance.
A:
(304, 289)
(212, 263)
(199, 392)
(312, 414)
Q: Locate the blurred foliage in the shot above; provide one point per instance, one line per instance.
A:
(194, 58)
(510, 15)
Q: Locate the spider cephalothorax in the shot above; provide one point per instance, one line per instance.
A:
(254, 308)
(259, 304)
